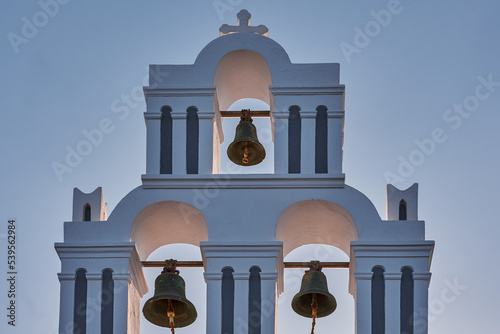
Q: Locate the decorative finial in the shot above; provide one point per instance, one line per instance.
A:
(244, 19)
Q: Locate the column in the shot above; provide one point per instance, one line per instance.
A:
(206, 142)
(268, 302)
(280, 135)
(120, 307)
(178, 142)
(241, 302)
(94, 294)
(421, 301)
(67, 303)
(308, 142)
(392, 303)
(214, 295)
(363, 303)
(335, 141)
(153, 141)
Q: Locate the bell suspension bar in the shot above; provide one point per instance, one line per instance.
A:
(288, 265)
(237, 113)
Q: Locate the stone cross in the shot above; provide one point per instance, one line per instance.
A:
(243, 26)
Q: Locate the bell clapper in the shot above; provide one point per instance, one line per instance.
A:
(245, 117)
(171, 315)
(314, 307)
(245, 154)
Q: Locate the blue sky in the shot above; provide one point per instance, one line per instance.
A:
(412, 103)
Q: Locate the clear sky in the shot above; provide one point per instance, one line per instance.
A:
(422, 96)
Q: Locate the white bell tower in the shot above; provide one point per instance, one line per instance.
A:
(184, 199)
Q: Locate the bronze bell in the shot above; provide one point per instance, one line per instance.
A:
(169, 306)
(313, 299)
(246, 150)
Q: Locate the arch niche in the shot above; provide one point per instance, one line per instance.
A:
(316, 222)
(165, 223)
(242, 74)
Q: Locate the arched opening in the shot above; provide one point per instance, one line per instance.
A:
(321, 146)
(227, 302)
(254, 301)
(107, 301)
(407, 298)
(316, 222)
(264, 133)
(157, 231)
(80, 310)
(166, 223)
(87, 213)
(166, 141)
(242, 74)
(338, 281)
(294, 140)
(325, 231)
(378, 300)
(403, 210)
(242, 79)
(194, 283)
(192, 140)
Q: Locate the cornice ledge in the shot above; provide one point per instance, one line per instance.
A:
(363, 276)
(179, 92)
(422, 276)
(323, 90)
(241, 276)
(269, 276)
(392, 276)
(243, 181)
(308, 114)
(152, 115)
(179, 114)
(335, 113)
(212, 276)
(77, 250)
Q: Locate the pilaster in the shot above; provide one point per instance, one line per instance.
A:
(94, 294)
(153, 141)
(206, 142)
(67, 303)
(241, 281)
(280, 135)
(308, 142)
(363, 303)
(335, 141)
(179, 133)
(421, 300)
(121, 303)
(214, 310)
(268, 302)
(392, 303)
